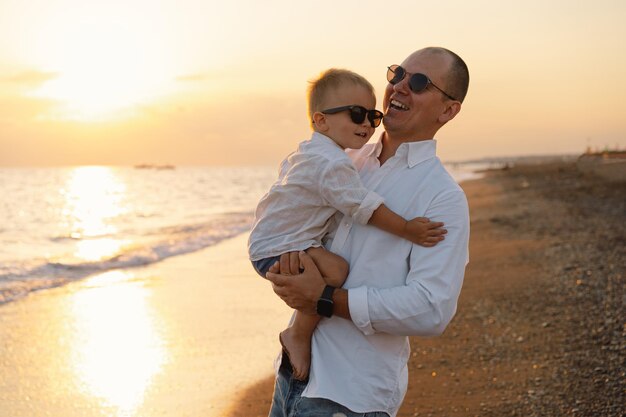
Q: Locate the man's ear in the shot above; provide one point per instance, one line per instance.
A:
(450, 111)
(319, 120)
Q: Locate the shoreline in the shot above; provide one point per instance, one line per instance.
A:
(62, 273)
(35, 275)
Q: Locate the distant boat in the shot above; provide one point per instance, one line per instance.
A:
(165, 167)
(150, 166)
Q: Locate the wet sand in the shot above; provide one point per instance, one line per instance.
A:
(539, 329)
(179, 338)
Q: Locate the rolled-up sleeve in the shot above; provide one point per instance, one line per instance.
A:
(341, 187)
(427, 302)
(359, 312)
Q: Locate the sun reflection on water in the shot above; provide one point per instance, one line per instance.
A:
(95, 250)
(95, 197)
(118, 350)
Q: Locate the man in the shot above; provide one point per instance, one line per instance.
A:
(395, 289)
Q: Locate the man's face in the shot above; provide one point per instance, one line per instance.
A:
(415, 116)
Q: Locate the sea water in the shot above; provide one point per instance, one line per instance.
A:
(63, 224)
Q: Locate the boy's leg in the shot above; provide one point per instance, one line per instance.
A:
(296, 340)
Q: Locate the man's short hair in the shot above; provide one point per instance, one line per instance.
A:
(457, 79)
(330, 80)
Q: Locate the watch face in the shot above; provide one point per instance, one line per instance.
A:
(324, 307)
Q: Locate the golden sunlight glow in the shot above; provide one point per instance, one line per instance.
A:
(172, 81)
(94, 197)
(103, 69)
(118, 349)
(99, 249)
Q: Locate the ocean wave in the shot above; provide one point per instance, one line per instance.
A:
(20, 279)
(77, 236)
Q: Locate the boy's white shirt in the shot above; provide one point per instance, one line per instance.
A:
(395, 288)
(314, 183)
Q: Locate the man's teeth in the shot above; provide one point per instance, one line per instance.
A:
(361, 134)
(398, 105)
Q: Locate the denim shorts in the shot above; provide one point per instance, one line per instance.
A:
(263, 265)
(289, 402)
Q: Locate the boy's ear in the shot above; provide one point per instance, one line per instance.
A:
(450, 111)
(319, 120)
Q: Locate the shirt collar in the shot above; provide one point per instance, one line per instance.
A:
(321, 138)
(420, 151)
(377, 148)
(412, 152)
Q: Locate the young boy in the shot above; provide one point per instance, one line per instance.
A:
(314, 183)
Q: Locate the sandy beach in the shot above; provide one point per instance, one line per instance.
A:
(539, 329)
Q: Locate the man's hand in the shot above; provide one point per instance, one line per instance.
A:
(298, 290)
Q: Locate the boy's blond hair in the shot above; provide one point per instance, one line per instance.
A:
(328, 80)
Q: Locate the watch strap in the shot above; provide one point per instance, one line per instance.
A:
(325, 303)
(327, 294)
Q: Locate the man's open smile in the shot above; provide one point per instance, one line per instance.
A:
(395, 104)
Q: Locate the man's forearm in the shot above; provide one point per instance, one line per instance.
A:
(340, 304)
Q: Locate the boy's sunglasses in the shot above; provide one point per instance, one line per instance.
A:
(358, 114)
(417, 82)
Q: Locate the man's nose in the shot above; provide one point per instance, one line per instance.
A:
(402, 86)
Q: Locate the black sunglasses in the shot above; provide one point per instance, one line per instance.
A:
(417, 82)
(358, 114)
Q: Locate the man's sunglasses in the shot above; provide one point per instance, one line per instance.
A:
(417, 82)
(358, 114)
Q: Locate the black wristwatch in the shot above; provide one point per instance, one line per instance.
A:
(325, 303)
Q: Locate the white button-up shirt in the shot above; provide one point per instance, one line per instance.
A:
(395, 288)
(315, 182)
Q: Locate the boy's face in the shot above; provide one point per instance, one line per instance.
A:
(339, 126)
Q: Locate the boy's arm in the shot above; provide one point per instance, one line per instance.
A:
(341, 187)
(418, 230)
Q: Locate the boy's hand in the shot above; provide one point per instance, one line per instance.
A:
(423, 232)
(289, 264)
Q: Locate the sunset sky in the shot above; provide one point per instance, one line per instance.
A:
(199, 82)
